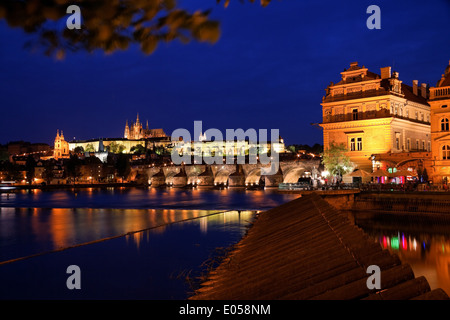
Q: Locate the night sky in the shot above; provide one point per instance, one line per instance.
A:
(269, 70)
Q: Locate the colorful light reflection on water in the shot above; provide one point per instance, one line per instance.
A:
(427, 254)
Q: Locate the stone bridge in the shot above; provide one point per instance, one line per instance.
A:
(230, 175)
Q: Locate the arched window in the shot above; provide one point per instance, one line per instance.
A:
(446, 152)
(444, 124)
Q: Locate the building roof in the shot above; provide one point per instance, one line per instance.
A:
(351, 75)
(445, 80)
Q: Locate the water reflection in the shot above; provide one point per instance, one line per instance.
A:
(150, 264)
(148, 198)
(427, 254)
(27, 231)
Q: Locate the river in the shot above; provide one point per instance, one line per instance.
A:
(140, 243)
(129, 243)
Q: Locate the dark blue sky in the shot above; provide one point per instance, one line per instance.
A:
(268, 70)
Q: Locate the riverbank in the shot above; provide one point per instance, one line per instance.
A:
(306, 249)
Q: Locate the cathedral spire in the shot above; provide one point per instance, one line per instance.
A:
(127, 130)
(146, 125)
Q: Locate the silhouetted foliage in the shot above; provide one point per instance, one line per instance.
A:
(109, 25)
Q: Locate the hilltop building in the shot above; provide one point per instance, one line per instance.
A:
(137, 132)
(61, 147)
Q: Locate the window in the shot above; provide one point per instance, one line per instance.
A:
(444, 106)
(417, 144)
(444, 124)
(397, 143)
(408, 144)
(417, 115)
(429, 146)
(359, 144)
(355, 114)
(356, 144)
(423, 145)
(446, 152)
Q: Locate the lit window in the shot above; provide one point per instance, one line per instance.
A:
(359, 144)
(444, 125)
(446, 152)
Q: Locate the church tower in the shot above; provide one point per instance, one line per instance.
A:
(127, 131)
(61, 147)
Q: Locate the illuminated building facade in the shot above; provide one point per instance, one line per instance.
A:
(137, 132)
(376, 114)
(440, 128)
(61, 147)
(207, 148)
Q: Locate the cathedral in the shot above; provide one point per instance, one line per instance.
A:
(137, 132)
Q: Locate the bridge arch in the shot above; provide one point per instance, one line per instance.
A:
(253, 177)
(169, 176)
(222, 176)
(293, 174)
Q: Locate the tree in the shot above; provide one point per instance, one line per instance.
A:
(89, 148)
(335, 161)
(138, 149)
(123, 166)
(108, 25)
(73, 166)
(30, 164)
(12, 171)
(114, 147)
(48, 172)
(79, 149)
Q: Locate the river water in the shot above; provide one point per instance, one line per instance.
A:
(129, 243)
(139, 243)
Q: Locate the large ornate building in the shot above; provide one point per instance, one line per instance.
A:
(61, 147)
(440, 128)
(375, 116)
(137, 132)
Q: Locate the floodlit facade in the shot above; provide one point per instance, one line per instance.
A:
(376, 114)
(440, 128)
(61, 147)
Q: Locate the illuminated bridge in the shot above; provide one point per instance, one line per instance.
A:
(230, 175)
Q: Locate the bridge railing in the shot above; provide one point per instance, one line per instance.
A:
(306, 186)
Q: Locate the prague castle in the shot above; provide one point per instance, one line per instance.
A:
(136, 132)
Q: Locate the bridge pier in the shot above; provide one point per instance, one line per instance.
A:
(158, 179)
(206, 179)
(180, 179)
(237, 178)
(273, 181)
